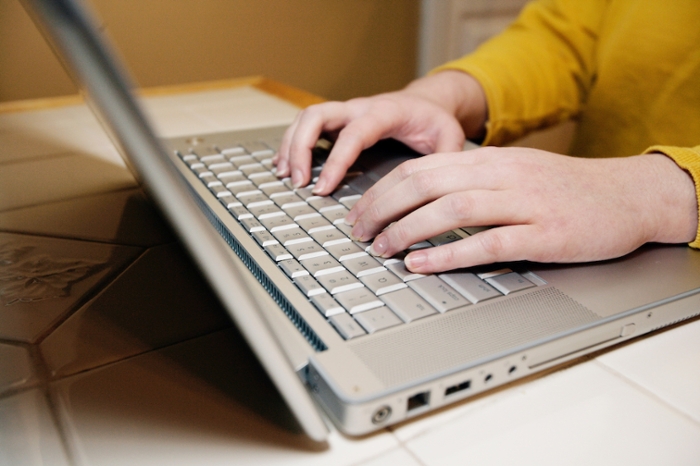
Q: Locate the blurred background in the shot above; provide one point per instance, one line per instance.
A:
(334, 48)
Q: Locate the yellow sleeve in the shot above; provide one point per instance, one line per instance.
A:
(688, 158)
(537, 72)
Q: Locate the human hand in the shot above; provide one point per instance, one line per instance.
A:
(425, 116)
(548, 207)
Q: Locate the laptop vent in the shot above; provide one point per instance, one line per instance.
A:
(439, 345)
(299, 322)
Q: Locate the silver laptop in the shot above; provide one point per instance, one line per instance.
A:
(369, 342)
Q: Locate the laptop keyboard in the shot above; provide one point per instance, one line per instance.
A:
(307, 237)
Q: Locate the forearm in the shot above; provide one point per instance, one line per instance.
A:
(459, 94)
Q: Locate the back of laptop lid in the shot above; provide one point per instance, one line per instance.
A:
(69, 29)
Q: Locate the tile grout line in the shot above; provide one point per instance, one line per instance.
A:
(647, 392)
(42, 373)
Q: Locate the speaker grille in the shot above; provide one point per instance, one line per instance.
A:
(431, 347)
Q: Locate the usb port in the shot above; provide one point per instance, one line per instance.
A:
(458, 387)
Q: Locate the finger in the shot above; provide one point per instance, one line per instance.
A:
(358, 135)
(502, 244)
(466, 208)
(281, 159)
(420, 188)
(311, 123)
(396, 176)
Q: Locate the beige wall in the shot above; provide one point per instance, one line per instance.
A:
(334, 48)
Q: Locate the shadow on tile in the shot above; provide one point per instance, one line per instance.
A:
(123, 217)
(159, 300)
(44, 279)
(204, 397)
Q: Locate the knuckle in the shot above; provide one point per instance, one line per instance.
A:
(408, 168)
(424, 183)
(492, 243)
(400, 233)
(460, 206)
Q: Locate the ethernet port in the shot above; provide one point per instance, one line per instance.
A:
(417, 401)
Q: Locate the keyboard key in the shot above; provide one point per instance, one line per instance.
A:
(251, 224)
(264, 238)
(470, 286)
(298, 211)
(289, 236)
(336, 215)
(233, 151)
(438, 293)
(400, 270)
(330, 237)
(280, 222)
(267, 209)
(358, 300)
(510, 282)
(242, 160)
(219, 191)
(277, 252)
(230, 177)
(271, 189)
(210, 160)
(339, 282)
(239, 211)
(323, 265)
(408, 305)
(363, 265)
(346, 326)
(252, 197)
(292, 268)
(327, 305)
(320, 203)
(377, 319)
(308, 285)
(307, 250)
(445, 238)
(313, 224)
(383, 282)
(345, 251)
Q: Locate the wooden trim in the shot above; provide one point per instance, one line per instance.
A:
(40, 104)
(291, 94)
(203, 86)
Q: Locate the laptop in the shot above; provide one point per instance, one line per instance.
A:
(339, 332)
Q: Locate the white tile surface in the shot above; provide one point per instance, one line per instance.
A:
(44, 278)
(667, 364)
(583, 415)
(15, 367)
(64, 176)
(218, 110)
(205, 401)
(28, 435)
(397, 457)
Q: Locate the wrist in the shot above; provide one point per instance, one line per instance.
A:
(459, 94)
(672, 199)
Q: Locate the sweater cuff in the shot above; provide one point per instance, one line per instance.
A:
(689, 160)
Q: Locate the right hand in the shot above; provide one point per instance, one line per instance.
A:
(424, 116)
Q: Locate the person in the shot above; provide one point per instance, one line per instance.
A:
(627, 71)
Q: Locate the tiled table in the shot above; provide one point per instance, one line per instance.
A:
(113, 350)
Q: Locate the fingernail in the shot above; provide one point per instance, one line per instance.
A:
(356, 232)
(378, 247)
(296, 178)
(351, 218)
(320, 186)
(282, 168)
(415, 260)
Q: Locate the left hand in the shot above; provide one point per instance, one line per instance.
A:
(546, 207)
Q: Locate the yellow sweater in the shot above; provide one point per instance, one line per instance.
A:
(627, 70)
